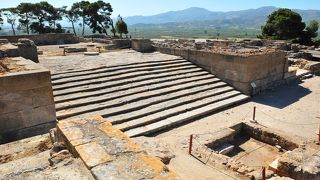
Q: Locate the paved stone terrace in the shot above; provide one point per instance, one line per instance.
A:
(108, 152)
(138, 93)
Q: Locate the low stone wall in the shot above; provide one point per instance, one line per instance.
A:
(142, 45)
(26, 102)
(122, 43)
(264, 70)
(45, 39)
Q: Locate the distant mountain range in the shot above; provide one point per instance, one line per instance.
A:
(249, 18)
(198, 23)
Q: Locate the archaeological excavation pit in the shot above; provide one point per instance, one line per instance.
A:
(245, 149)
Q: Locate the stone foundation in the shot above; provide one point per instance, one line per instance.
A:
(28, 50)
(142, 45)
(122, 43)
(240, 71)
(45, 39)
(108, 152)
(26, 102)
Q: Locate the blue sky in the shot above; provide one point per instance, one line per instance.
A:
(151, 7)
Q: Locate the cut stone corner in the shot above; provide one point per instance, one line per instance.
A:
(105, 149)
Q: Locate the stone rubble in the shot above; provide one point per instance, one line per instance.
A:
(155, 148)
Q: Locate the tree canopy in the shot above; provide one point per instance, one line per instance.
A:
(121, 26)
(1, 20)
(99, 16)
(285, 24)
(25, 13)
(310, 33)
(11, 15)
(42, 17)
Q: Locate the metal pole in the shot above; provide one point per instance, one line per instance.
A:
(263, 173)
(190, 144)
(319, 136)
(254, 113)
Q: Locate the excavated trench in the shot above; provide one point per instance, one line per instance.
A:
(244, 148)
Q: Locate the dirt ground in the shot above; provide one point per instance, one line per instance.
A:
(24, 148)
(292, 108)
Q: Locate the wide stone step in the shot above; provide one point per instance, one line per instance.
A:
(138, 105)
(180, 99)
(109, 73)
(146, 96)
(186, 116)
(132, 91)
(72, 73)
(95, 85)
(111, 69)
(116, 87)
(96, 79)
(180, 107)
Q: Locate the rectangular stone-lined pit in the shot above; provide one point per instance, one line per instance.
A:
(26, 101)
(248, 147)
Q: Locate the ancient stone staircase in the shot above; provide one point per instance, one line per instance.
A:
(144, 97)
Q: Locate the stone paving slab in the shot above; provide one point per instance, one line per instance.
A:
(108, 152)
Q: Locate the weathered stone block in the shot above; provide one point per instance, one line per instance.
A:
(25, 118)
(26, 100)
(93, 154)
(28, 50)
(10, 50)
(4, 41)
(122, 43)
(142, 45)
(73, 49)
(108, 152)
